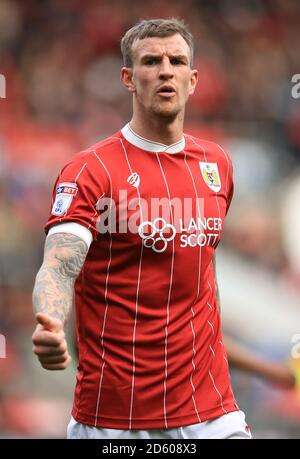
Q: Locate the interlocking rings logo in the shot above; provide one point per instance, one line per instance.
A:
(156, 240)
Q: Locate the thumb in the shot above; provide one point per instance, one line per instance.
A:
(48, 322)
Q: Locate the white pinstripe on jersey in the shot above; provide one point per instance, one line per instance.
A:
(226, 360)
(96, 212)
(93, 217)
(219, 216)
(221, 399)
(211, 308)
(226, 189)
(212, 327)
(198, 290)
(137, 295)
(226, 156)
(169, 296)
(105, 297)
(79, 173)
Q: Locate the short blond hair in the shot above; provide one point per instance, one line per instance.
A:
(154, 28)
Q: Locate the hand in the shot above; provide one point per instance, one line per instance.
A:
(49, 343)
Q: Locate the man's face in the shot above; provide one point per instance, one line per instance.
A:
(161, 77)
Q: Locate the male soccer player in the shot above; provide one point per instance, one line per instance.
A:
(134, 224)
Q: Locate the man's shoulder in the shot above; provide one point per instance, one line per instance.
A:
(96, 151)
(105, 144)
(207, 147)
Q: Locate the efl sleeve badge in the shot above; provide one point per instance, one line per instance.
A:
(65, 193)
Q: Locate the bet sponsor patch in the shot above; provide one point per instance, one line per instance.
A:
(65, 193)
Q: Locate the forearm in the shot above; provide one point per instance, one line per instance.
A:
(240, 357)
(54, 285)
(246, 360)
(53, 293)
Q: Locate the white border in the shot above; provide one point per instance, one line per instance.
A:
(73, 228)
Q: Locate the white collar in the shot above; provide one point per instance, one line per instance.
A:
(150, 145)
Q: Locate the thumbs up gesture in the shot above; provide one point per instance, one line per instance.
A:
(50, 344)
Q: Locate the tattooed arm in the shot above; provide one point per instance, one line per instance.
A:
(64, 256)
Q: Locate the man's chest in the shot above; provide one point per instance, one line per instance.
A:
(161, 198)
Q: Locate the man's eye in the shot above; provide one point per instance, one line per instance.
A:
(151, 61)
(177, 62)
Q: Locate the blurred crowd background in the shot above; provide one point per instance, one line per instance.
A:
(61, 60)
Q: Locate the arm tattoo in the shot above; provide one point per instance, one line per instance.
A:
(216, 282)
(64, 256)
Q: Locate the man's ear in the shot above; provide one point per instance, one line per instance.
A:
(193, 81)
(127, 78)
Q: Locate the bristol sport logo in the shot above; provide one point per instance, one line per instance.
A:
(134, 179)
(159, 235)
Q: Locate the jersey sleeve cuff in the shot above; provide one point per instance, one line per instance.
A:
(73, 228)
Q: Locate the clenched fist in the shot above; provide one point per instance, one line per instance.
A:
(50, 344)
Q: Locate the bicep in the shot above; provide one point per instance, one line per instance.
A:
(65, 253)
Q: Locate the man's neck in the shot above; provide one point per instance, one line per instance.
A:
(158, 130)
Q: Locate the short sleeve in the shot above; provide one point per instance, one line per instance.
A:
(79, 186)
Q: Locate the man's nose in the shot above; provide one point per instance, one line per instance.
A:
(166, 69)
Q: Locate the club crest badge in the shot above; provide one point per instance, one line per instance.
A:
(211, 176)
(65, 193)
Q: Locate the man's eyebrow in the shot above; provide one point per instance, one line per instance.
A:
(179, 56)
(150, 55)
(157, 55)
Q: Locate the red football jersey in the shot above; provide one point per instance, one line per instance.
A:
(151, 354)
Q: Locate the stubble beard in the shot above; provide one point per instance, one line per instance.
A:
(165, 112)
